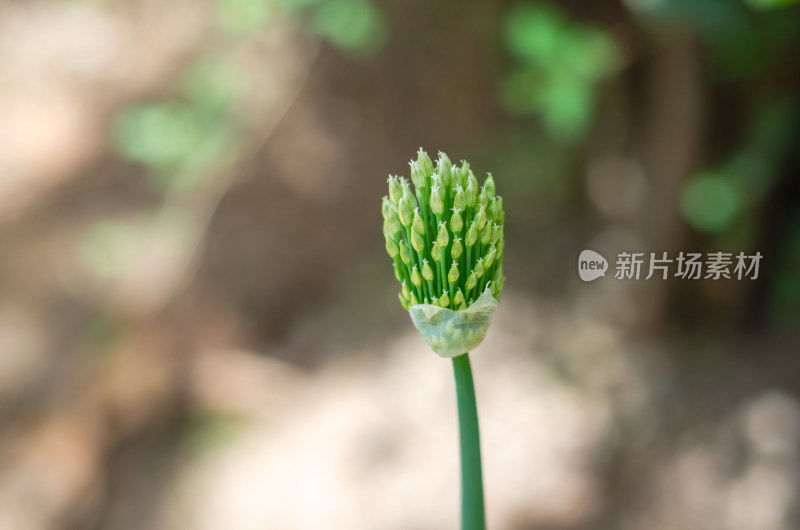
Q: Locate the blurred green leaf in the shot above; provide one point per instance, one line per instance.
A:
(242, 17)
(566, 107)
(534, 32)
(769, 4)
(212, 85)
(106, 247)
(158, 135)
(352, 25)
(711, 203)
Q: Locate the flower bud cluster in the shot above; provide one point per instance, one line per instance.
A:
(446, 235)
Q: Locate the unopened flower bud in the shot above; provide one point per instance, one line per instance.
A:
(418, 241)
(405, 290)
(487, 262)
(444, 300)
(397, 273)
(464, 172)
(433, 301)
(427, 271)
(437, 206)
(405, 212)
(472, 234)
(456, 221)
(458, 299)
(393, 221)
(491, 209)
(472, 280)
(417, 176)
(416, 279)
(480, 217)
(425, 163)
(405, 255)
(453, 275)
(495, 233)
(445, 168)
(443, 238)
(404, 302)
(482, 199)
(488, 185)
(479, 269)
(385, 206)
(470, 193)
(413, 300)
(436, 252)
(392, 248)
(486, 234)
(457, 249)
(417, 225)
(395, 189)
(460, 199)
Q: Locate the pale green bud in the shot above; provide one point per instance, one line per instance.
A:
(404, 302)
(482, 200)
(413, 300)
(393, 221)
(427, 271)
(472, 280)
(457, 248)
(460, 199)
(417, 176)
(479, 269)
(443, 238)
(488, 185)
(472, 234)
(425, 163)
(458, 299)
(456, 221)
(405, 290)
(437, 206)
(444, 300)
(434, 301)
(417, 241)
(445, 168)
(453, 274)
(496, 230)
(397, 273)
(405, 255)
(416, 279)
(486, 234)
(405, 212)
(489, 259)
(436, 252)
(392, 248)
(464, 173)
(491, 209)
(480, 217)
(385, 206)
(417, 225)
(470, 192)
(395, 189)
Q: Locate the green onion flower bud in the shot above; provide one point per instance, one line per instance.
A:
(425, 163)
(445, 169)
(464, 172)
(458, 299)
(416, 279)
(456, 221)
(488, 185)
(472, 234)
(486, 234)
(457, 249)
(480, 217)
(437, 206)
(482, 199)
(460, 199)
(405, 212)
(453, 275)
(417, 176)
(395, 189)
(433, 301)
(408, 195)
(487, 262)
(495, 233)
(479, 269)
(436, 252)
(472, 280)
(385, 206)
(397, 273)
(491, 209)
(393, 221)
(418, 241)
(404, 290)
(404, 302)
(427, 271)
(405, 255)
(413, 300)
(417, 225)
(444, 300)
(470, 193)
(392, 248)
(443, 238)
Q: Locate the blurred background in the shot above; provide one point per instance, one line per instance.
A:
(199, 326)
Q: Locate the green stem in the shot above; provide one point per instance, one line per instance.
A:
(472, 512)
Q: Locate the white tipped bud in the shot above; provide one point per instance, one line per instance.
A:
(443, 238)
(427, 271)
